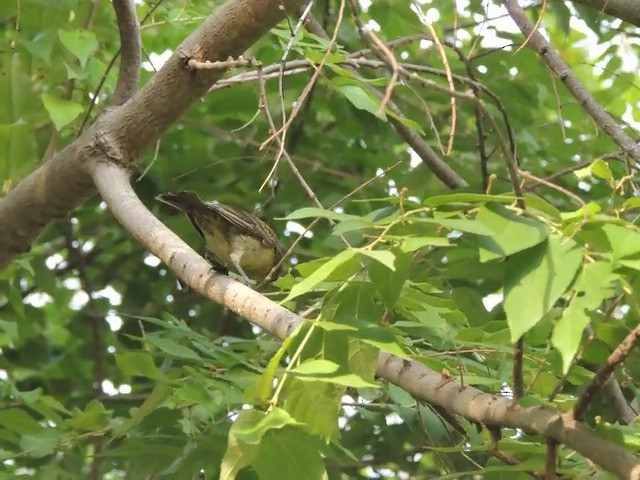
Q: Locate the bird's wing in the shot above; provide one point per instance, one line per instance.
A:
(251, 224)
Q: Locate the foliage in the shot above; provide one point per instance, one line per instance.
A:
(103, 355)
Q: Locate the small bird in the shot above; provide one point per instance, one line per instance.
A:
(232, 236)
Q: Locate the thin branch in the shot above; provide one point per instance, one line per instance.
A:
(438, 166)
(130, 46)
(553, 59)
(518, 361)
(551, 460)
(412, 376)
(602, 375)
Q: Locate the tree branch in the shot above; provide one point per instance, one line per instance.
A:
(626, 10)
(554, 61)
(412, 376)
(130, 47)
(124, 133)
(602, 375)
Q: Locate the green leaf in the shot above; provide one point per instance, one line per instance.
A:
(93, 417)
(251, 425)
(82, 43)
(157, 396)
(535, 279)
(385, 257)
(312, 212)
(62, 112)
(411, 244)
(466, 199)
(388, 283)
(511, 232)
(368, 332)
(42, 444)
(138, 364)
(326, 371)
(601, 169)
(172, 348)
(594, 284)
(321, 274)
(624, 241)
(290, 454)
(360, 99)
(316, 405)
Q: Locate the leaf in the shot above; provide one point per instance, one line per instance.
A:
(460, 224)
(466, 199)
(82, 43)
(251, 425)
(368, 332)
(511, 232)
(594, 284)
(62, 112)
(316, 405)
(535, 279)
(320, 274)
(312, 212)
(290, 454)
(411, 244)
(326, 371)
(601, 169)
(157, 396)
(360, 99)
(388, 283)
(42, 444)
(172, 348)
(385, 257)
(624, 241)
(93, 417)
(138, 364)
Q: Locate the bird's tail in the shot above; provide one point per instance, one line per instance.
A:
(184, 200)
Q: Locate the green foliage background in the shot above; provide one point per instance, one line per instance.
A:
(197, 390)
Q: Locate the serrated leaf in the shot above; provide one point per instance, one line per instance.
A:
(41, 444)
(316, 405)
(62, 112)
(594, 284)
(535, 279)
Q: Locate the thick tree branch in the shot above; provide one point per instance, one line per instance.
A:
(420, 381)
(554, 61)
(123, 134)
(130, 47)
(626, 10)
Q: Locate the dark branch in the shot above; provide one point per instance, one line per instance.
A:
(130, 47)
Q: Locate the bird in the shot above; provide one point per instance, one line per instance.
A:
(232, 236)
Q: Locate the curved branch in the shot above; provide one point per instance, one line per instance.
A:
(124, 133)
(554, 61)
(130, 47)
(415, 378)
(626, 10)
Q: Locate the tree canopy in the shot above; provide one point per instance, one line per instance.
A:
(456, 186)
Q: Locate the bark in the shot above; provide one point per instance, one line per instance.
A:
(122, 134)
(625, 10)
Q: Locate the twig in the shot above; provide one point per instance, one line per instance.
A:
(438, 166)
(14, 39)
(223, 64)
(552, 58)
(518, 379)
(568, 193)
(602, 375)
(379, 48)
